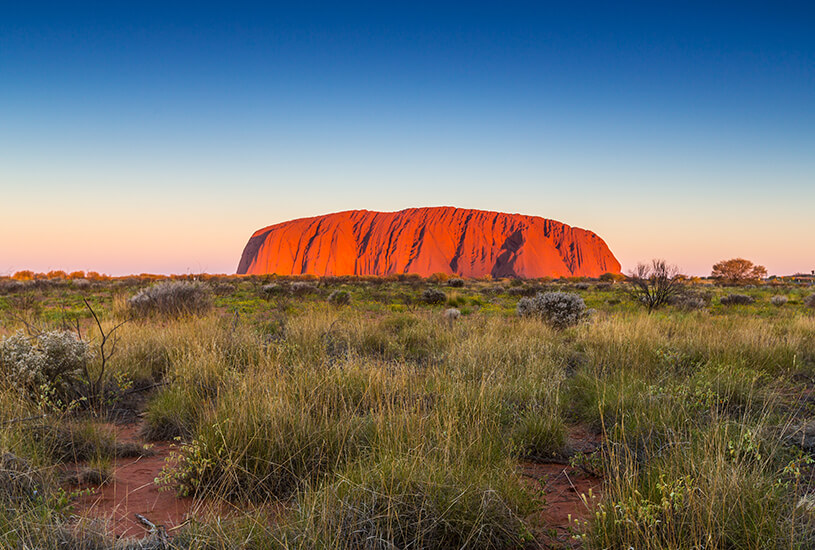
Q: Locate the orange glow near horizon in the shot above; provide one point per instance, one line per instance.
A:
(118, 243)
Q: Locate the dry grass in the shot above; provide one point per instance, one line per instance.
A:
(381, 425)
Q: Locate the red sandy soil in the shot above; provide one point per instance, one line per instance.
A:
(562, 488)
(132, 490)
(469, 243)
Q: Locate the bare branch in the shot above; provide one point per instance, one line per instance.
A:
(655, 284)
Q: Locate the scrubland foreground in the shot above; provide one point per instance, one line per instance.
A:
(365, 413)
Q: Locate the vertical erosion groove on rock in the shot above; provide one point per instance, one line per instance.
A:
(468, 243)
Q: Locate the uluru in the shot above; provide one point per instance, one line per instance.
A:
(456, 241)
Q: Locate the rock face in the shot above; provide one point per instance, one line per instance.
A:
(468, 243)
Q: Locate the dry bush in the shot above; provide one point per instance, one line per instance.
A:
(340, 298)
(557, 309)
(690, 300)
(300, 288)
(271, 290)
(779, 300)
(433, 296)
(19, 481)
(10, 286)
(736, 300)
(172, 299)
(451, 314)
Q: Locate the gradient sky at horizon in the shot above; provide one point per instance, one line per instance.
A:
(148, 138)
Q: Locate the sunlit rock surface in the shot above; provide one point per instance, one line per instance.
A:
(468, 243)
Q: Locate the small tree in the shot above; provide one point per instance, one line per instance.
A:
(655, 284)
(738, 271)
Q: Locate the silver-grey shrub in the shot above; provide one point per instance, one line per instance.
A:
(779, 300)
(455, 282)
(557, 309)
(302, 287)
(433, 296)
(809, 301)
(736, 299)
(51, 361)
(172, 298)
(272, 289)
(339, 298)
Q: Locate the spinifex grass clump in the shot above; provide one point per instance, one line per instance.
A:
(720, 485)
(172, 299)
(20, 483)
(412, 504)
(557, 309)
(539, 436)
(264, 439)
(76, 441)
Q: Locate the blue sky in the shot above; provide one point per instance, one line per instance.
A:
(142, 138)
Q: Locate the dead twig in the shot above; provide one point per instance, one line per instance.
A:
(95, 384)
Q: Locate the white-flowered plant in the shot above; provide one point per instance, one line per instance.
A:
(557, 309)
(49, 362)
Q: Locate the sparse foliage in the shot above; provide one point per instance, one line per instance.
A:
(738, 271)
(655, 284)
(107, 347)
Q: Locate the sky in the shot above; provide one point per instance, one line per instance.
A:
(157, 136)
